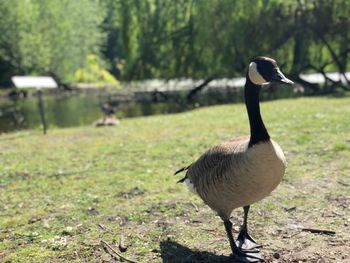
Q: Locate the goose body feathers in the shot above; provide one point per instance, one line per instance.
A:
(232, 174)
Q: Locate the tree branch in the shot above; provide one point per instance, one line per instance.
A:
(195, 90)
(106, 246)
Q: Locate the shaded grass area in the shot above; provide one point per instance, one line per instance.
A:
(62, 193)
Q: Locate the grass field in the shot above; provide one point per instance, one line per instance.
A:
(61, 194)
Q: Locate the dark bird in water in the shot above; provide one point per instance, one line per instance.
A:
(240, 172)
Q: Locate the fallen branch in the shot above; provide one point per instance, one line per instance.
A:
(101, 226)
(108, 251)
(70, 173)
(190, 96)
(318, 231)
(343, 183)
(290, 209)
(208, 229)
(105, 245)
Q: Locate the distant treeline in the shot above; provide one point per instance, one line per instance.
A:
(89, 40)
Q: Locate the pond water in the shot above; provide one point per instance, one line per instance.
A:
(69, 110)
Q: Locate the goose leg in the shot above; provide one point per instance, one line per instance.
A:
(245, 241)
(239, 254)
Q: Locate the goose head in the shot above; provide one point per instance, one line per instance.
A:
(263, 70)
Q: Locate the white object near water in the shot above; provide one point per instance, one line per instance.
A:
(40, 82)
(24, 82)
(318, 78)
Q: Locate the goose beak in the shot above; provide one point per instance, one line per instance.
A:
(280, 77)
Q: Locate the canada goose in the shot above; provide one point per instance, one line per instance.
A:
(240, 172)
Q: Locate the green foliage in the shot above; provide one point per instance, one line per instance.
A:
(172, 39)
(93, 72)
(202, 39)
(44, 37)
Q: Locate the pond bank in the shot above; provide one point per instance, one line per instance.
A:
(84, 104)
(68, 109)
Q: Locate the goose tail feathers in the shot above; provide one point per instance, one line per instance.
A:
(182, 170)
(182, 180)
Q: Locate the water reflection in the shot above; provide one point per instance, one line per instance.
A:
(68, 110)
(61, 111)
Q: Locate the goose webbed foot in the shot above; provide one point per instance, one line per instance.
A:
(240, 254)
(247, 257)
(246, 243)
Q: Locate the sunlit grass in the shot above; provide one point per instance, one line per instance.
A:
(56, 190)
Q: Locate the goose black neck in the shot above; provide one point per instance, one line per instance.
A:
(258, 132)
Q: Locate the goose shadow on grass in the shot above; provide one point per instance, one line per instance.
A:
(172, 252)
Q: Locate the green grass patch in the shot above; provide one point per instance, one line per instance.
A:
(62, 193)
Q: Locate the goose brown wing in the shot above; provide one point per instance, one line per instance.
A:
(216, 160)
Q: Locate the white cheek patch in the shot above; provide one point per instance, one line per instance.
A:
(254, 75)
(190, 185)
